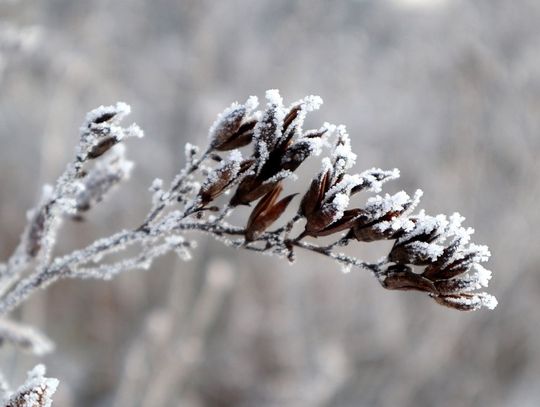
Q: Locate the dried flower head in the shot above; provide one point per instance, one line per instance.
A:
(430, 254)
(446, 265)
(280, 146)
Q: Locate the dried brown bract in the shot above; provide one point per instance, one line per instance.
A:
(266, 212)
(234, 127)
(222, 178)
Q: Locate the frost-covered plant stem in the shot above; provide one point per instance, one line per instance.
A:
(447, 265)
(192, 165)
(69, 266)
(280, 145)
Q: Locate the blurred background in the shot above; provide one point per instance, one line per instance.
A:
(446, 91)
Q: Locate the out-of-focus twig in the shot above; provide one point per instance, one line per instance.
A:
(25, 337)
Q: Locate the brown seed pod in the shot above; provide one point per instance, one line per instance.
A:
(291, 115)
(266, 212)
(295, 155)
(408, 254)
(221, 179)
(105, 117)
(241, 138)
(348, 219)
(102, 147)
(314, 196)
(251, 190)
(401, 277)
(226, 125)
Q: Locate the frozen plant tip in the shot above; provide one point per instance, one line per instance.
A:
(430, 254)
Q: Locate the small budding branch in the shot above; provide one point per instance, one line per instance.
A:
(431, 254)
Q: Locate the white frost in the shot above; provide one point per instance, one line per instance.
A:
(379, 206)
(488, 301)
(251, 103)
(483, 275)
(273, 97)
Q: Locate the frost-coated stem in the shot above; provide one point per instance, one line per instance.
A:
(70, 266)
(250, 158)
(168, 197)
(39, 235)
(65, 266)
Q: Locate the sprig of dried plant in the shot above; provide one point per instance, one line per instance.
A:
(430, 254)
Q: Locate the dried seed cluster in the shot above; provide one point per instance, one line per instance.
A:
(450, 265)
(251, 154)
(431, 254)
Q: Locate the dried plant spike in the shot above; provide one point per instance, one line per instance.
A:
(448, 266)
(438, 244)
(433, 255)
